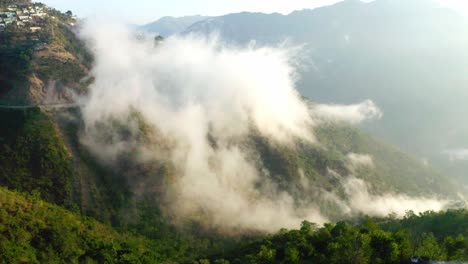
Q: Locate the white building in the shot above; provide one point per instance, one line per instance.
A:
(39, 15)
(8, 14)
(9, 20)
(12, 8)
(35, 29)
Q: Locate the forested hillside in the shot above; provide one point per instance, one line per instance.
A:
(34, 157)
(386, 240)
(34, 231)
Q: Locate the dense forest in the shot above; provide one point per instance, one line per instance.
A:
(34, 231)
(437, 236)
(34, 157)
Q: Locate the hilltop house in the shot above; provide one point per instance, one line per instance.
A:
(35, 29)
(9, 20)
(7, 14)
(24, 18)
(12, 8)
(39, 14)
(22, 15)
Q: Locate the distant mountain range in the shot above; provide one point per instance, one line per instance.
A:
(167, 26)
(410, 57)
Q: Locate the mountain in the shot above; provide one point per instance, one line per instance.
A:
(44, 66)
(409, 57)
(167, 26)
(45, 145)
(61, 202)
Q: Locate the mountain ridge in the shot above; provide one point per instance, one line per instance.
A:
(167, 26)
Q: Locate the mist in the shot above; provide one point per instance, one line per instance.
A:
(359, 160)
(353, 114)
(202, 99)
(360, 199)
(459, 154)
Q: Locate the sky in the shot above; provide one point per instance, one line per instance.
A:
(145, 11)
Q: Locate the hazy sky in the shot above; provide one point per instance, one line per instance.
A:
(143, 11)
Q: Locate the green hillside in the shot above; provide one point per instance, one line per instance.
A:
(34, 231)
(372, 241)
(394, 170)
(34, 156)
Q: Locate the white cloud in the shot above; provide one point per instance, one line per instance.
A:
(353, 114)
(190, 89)
(359, 199)
(360, 160)
(460, 6)
(460, 154)
(201, 100)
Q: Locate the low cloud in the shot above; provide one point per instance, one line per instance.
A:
(460, 154)
(353, 114)
(205, 98)
(360, 199)
(198, 101)
(360, 160)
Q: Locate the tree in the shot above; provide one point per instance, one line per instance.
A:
(385, 249)
(291, 255)
(266, 255)
(456, 248)
(69, 13)
(429, 247)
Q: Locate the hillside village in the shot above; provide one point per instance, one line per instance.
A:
(31, 16)
(37, 44)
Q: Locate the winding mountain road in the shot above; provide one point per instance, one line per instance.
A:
(42, 106)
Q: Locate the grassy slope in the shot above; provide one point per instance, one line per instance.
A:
(34, 231)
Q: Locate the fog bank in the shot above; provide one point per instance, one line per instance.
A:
(201, 99)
